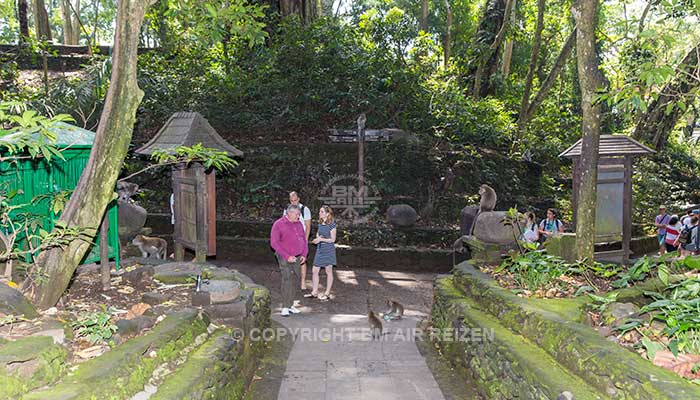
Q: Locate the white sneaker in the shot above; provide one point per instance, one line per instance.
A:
(285, 312)
(294, 310)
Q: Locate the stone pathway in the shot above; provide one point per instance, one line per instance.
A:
(333, 357)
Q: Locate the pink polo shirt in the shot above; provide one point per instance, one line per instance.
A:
(288, 238)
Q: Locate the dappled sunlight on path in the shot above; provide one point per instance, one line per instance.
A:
(334, 357)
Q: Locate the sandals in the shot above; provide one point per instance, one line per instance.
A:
(322, 296)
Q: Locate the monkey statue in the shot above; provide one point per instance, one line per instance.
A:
(487, 203)
(151, 246)
(125, 190)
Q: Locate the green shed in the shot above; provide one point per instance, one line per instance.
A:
(39, 177)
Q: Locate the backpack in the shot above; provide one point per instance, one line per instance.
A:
(690, 246)
(684, 236)
(543, 224)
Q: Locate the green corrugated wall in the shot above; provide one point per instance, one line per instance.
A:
(38, 177)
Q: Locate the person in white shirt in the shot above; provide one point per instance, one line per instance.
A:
(530, 232)
(305, 220)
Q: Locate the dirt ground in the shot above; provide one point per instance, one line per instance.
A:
(351, 288)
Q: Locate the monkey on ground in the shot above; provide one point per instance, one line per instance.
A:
(151, 246)
(375, 325)
(486, 203)
(395, 310)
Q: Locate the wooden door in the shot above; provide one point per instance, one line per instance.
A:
(195, 211)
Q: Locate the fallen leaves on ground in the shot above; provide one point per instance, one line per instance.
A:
(92, 352)
(136, 310)
(685, 365)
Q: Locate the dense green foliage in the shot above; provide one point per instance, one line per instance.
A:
(261, 78)
(94, 326)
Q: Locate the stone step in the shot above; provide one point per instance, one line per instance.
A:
(124, 370)
(502, 365)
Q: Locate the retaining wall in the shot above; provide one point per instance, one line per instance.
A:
(234, 244)
(182, 357)
(538, 348)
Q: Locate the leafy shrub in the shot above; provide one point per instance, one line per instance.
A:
(94, 326)
(642, 269)
(534, 270)
(678, 306)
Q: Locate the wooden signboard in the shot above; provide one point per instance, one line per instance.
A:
(195, 211)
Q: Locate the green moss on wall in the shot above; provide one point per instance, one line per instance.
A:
(124, 370)
(47, 364)
(553, 325)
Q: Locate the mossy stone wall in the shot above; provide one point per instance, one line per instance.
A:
(182, 357)
(554, 328)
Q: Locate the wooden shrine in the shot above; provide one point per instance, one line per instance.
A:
(194, 187)
(614, 190)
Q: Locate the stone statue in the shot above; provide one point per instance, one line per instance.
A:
(131, 216)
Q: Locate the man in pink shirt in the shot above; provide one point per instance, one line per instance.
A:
(288, 239)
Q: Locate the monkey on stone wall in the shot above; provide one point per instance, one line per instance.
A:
(487, 203)
(488, 198)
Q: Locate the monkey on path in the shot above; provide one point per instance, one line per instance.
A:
(395, 310)
(375, 325)
(151, 246)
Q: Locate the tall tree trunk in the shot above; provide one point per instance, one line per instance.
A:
(95, 23)
(67, 22)
(161, 24)
(508, 47)
(448, 34)
(424, 15)
(489, 37)
(551, 78)
(95, 189)
(75, 18)
(307, 10)
(585, 14)
(536, 42)
(663, 113)
(22, 10)
(41, 21)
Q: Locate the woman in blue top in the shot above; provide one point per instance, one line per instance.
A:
(325, 252)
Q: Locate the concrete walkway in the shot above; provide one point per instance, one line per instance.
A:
(333, 357)
(340, 361)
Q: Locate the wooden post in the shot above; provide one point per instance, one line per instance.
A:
(201, 196)
(574, 192)
(627, 211)
(361, 120)
(177, 232)
(104, 252)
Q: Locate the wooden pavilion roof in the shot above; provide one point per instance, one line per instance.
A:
(610, 146)
(187, 129)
